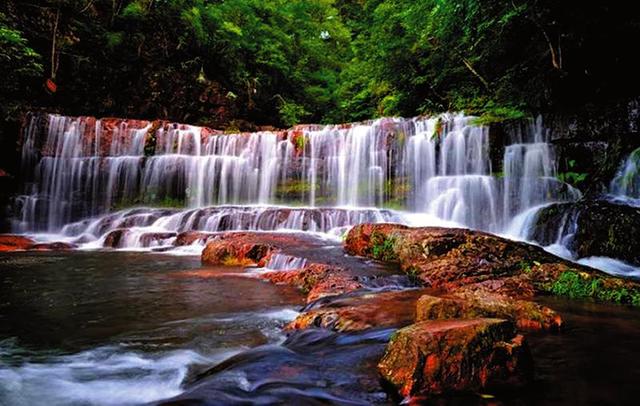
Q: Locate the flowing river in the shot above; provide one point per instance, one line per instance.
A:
(130, 316)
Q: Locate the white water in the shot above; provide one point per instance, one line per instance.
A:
(436, 171)
(625, 186)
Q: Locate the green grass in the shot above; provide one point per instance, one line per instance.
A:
(383, 248)
(579, 285)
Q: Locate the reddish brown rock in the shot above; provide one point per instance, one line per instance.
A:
(237, 249)
(318, 280)
(149, 239)
(114, 238)
(371, 310)
(191, 237)
(362, 239)
(468, 304)
(436, 357)
(10, 242)
(449, 258)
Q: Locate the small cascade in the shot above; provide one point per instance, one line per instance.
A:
(625, 186)
(149, 227)
(84, 173)
(530, 172)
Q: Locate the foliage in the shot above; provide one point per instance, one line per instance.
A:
(20, 65)
(282, 62)
(383, 248)
(579, 285)
(571, 177)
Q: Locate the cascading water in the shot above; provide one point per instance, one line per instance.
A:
(82, 174)
(625, 186)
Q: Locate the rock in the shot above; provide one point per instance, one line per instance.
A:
(603, 228)
(453, 259)
(357, 313)
(9, 242)
(53, 246)
(318, 280)
(191, 237)
(149, 239)
(468, 304)
(449, 258)
(237, 249)
(436, 357)
(362, 239)
(114, 238)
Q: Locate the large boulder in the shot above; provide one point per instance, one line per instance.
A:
(435, 357)
(455, 259)
(468, 304)
(599, 227)
(450, 258)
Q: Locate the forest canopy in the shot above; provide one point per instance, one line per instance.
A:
(236, 64)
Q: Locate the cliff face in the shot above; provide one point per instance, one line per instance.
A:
(595, 140)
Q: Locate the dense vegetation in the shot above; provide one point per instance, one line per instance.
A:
(240, 63)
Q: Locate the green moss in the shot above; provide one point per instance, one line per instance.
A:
(492, 114)
(300, 142)
(580, 285)
(166, 202)
(295, 187)
(383, 248)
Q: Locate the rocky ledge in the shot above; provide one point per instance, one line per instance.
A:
(460, 322)
(10, 243)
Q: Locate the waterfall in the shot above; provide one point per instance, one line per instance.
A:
(625, 186)
(85, 175)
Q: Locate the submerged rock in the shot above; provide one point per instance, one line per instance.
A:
(9, 242)
(435, 357)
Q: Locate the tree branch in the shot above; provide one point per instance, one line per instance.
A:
(475, 73)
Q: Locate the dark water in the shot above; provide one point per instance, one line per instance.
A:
(132, 328)
(120, 328)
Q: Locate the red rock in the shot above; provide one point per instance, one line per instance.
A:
(9, 242)
(371, 310)
(191, 237)
(468, 304)
(318, 280)
(361, 239)
(436, 357)
(149, 239)
(449, 258)
(114, 238)
(236, 249)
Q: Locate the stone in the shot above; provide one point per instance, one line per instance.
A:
(236, 249)
(362, 312)
(436, 357)
(191, 237)
(603, 228)
(9, 242)
(467, 304)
